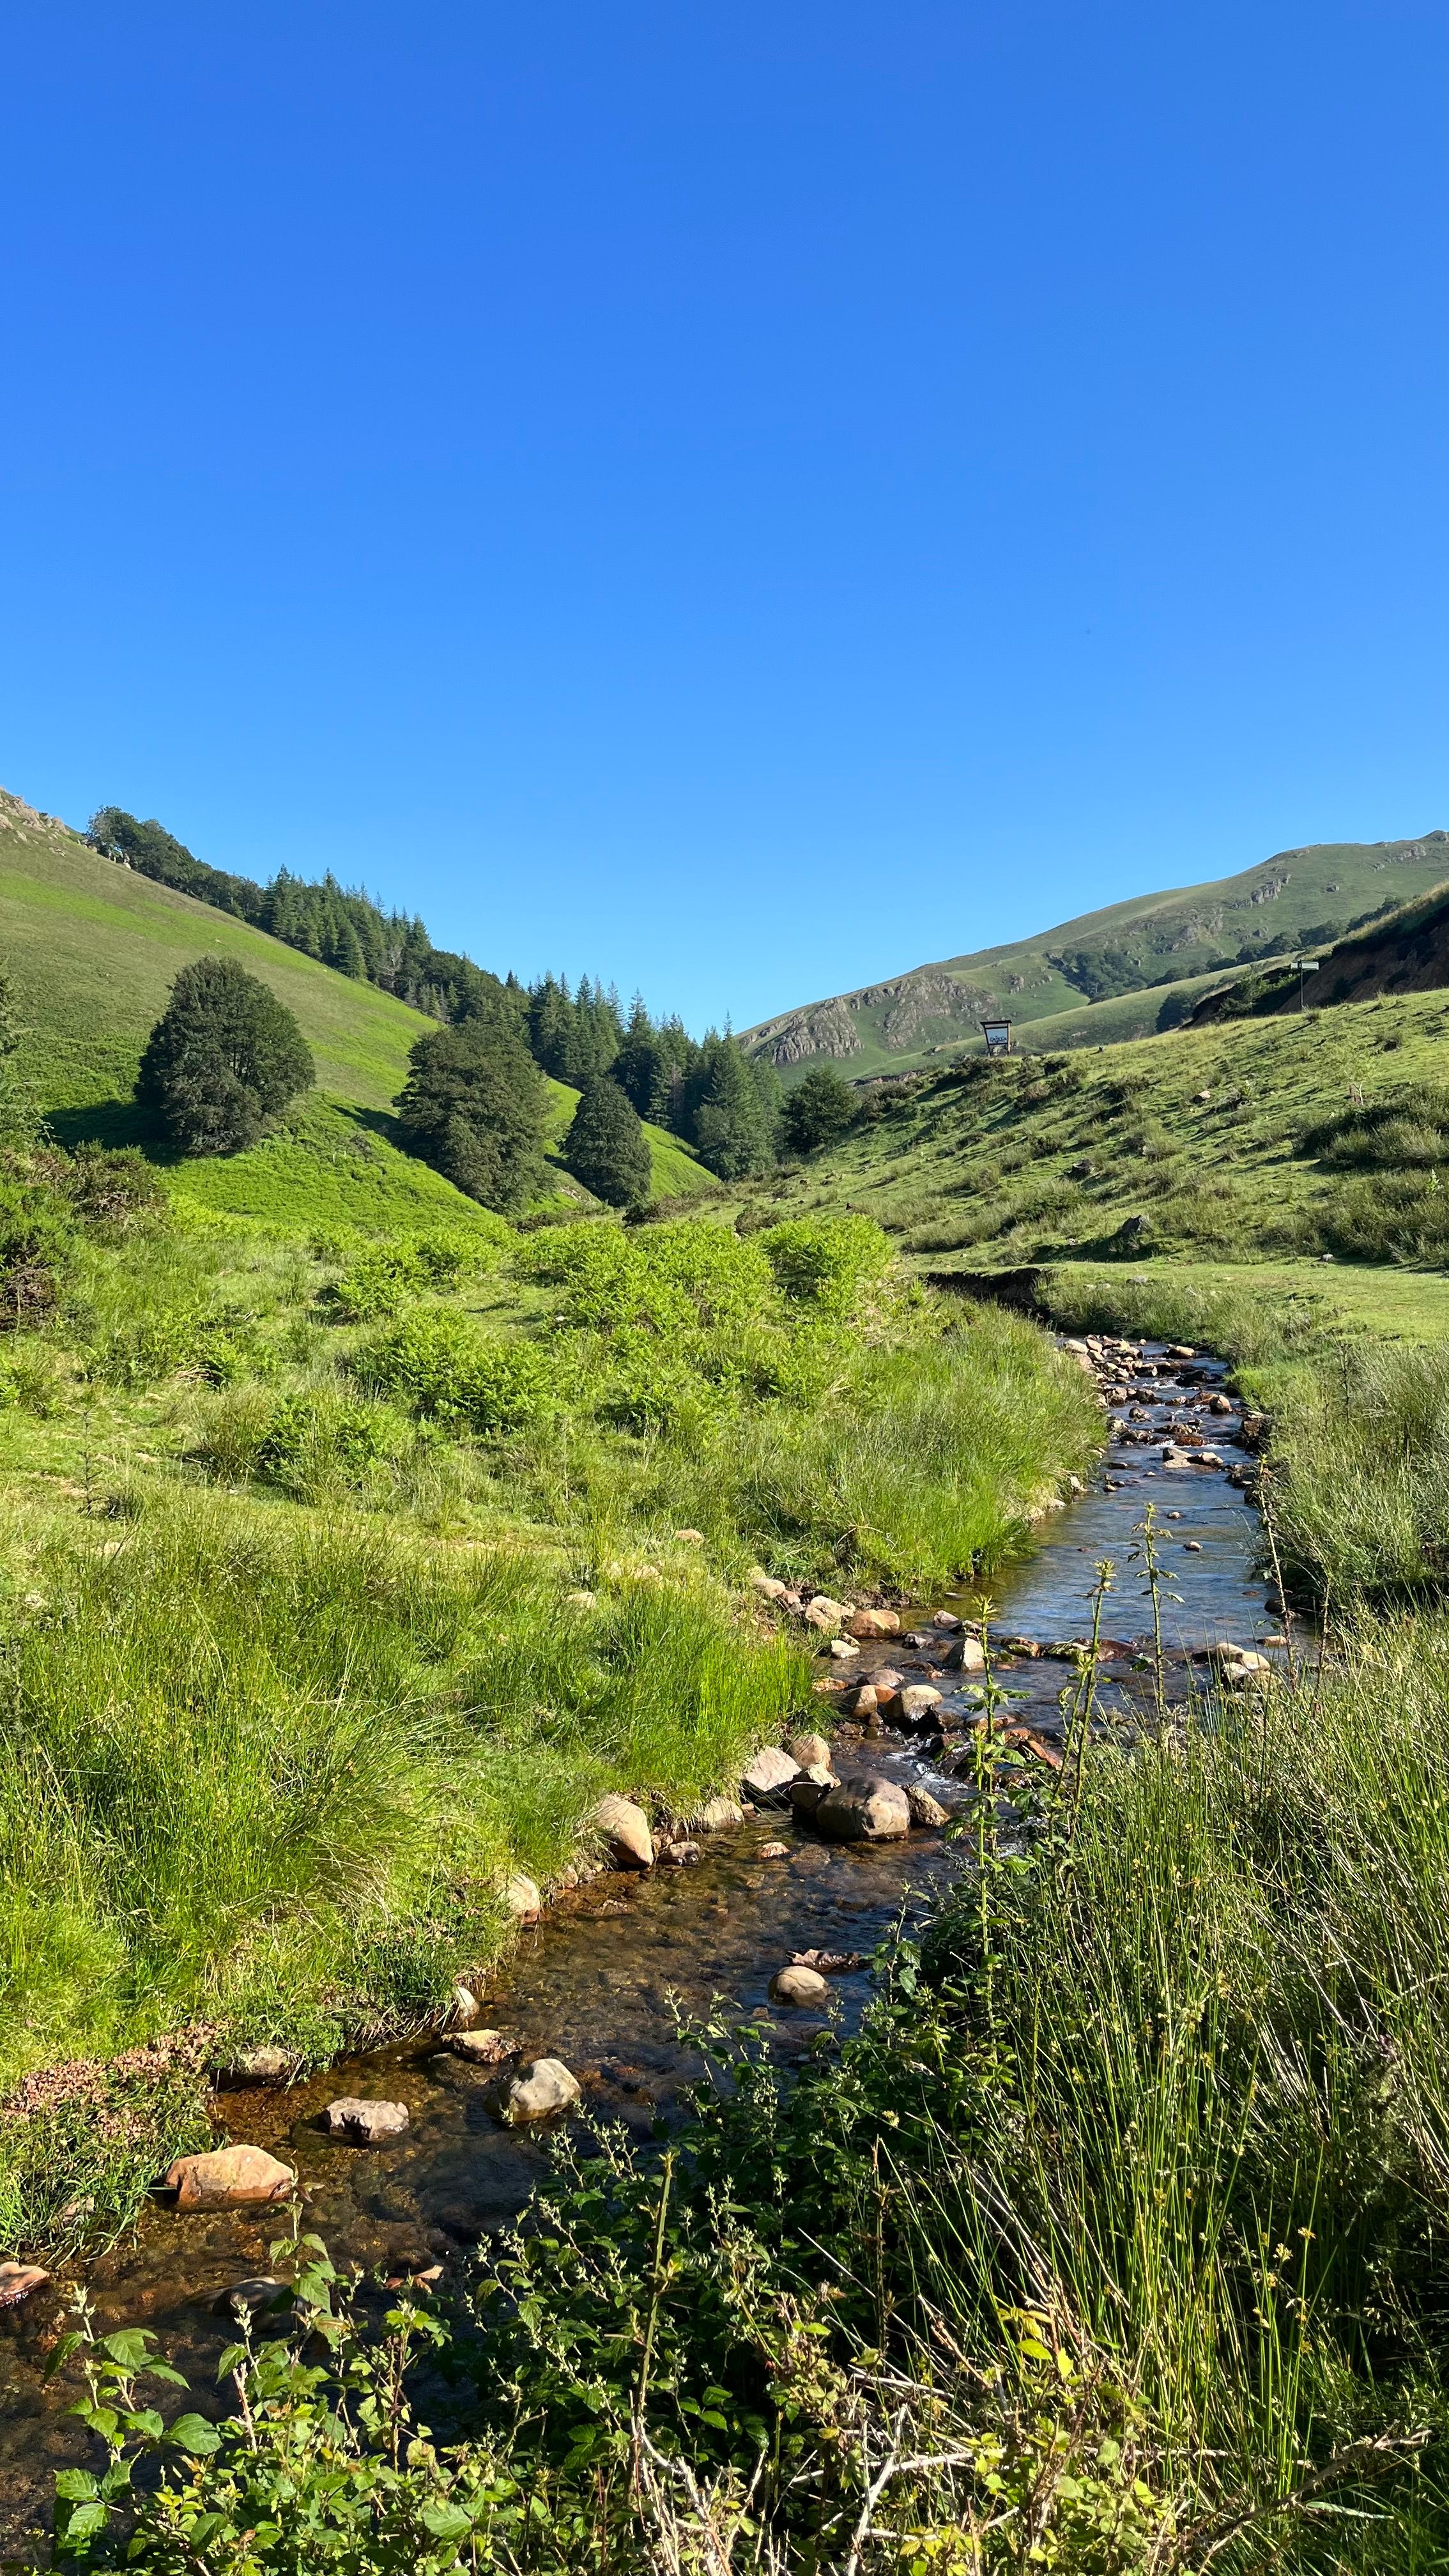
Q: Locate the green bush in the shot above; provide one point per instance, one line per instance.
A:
(383, 1274)
(438, 1364)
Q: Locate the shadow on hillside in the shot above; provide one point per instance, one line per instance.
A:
(123, 1122)
(106, 1122)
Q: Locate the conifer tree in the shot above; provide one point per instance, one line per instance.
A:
(607, 1148)
(818, 1111)
(733, 1125)
(225, 1057)
(474, 1106)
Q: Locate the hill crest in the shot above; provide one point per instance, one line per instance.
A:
(1298, 897)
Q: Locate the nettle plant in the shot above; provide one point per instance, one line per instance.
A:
(321, 2464)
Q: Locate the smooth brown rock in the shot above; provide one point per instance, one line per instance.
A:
(874, 1623)
(863, 1809)
(926, 1811)
(916, 1705)
(230, 2178)
(809, 1786)
(966, 1655)
(768, 1586)
(717, 1816)
(774, 1851)
(801, 1988)
(625, 1829)
(826, 1615)
(769, 1775)
(364, 2123)
(480, 2047)
(806, 1749)
(863, 1701)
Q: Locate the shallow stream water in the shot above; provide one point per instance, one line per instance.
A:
(600, 1980)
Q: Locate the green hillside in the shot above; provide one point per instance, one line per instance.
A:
(93, 950)
(1109, 974)
(1325, 1134)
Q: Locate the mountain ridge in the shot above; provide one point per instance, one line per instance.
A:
(1297, 897)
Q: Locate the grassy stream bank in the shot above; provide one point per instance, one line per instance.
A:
(1115, 2241)
(340, 1576)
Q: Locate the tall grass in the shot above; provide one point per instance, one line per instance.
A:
(268, 1773)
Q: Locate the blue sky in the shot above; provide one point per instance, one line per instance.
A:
(740, 500)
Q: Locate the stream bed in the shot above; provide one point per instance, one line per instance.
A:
(600, 1981)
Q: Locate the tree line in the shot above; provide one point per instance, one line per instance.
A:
(227, 1055)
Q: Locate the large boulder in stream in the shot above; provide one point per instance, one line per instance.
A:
(230, 2178)
(365, 2123)
(541, 2091)
(803, 1988)
(769, 1776)
(862, 1809)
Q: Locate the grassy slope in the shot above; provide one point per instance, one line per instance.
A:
(1182, 931)
(94, 949)
(1044, 1162)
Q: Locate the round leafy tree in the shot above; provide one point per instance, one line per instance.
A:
(224, 1058)
(474, 1106)
(818, 1111)
(607, 1148)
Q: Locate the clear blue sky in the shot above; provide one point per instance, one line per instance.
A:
(739, 499)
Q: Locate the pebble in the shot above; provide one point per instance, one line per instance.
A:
(774, 1851)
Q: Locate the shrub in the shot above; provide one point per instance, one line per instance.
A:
(384, 1273)
(826, 1261)
(436, 1362)
(224, 1058)
(606, 1147)
(314, 1441)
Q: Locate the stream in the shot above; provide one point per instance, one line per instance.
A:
(598, 1982)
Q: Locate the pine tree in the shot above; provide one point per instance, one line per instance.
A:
(474, 1106)
(224, 1058)
(818, 1111)
(731, 1119)
(607, 1148)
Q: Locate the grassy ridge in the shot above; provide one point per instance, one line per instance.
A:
(1150, 943)
(94, 949)
(1247, 1140)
